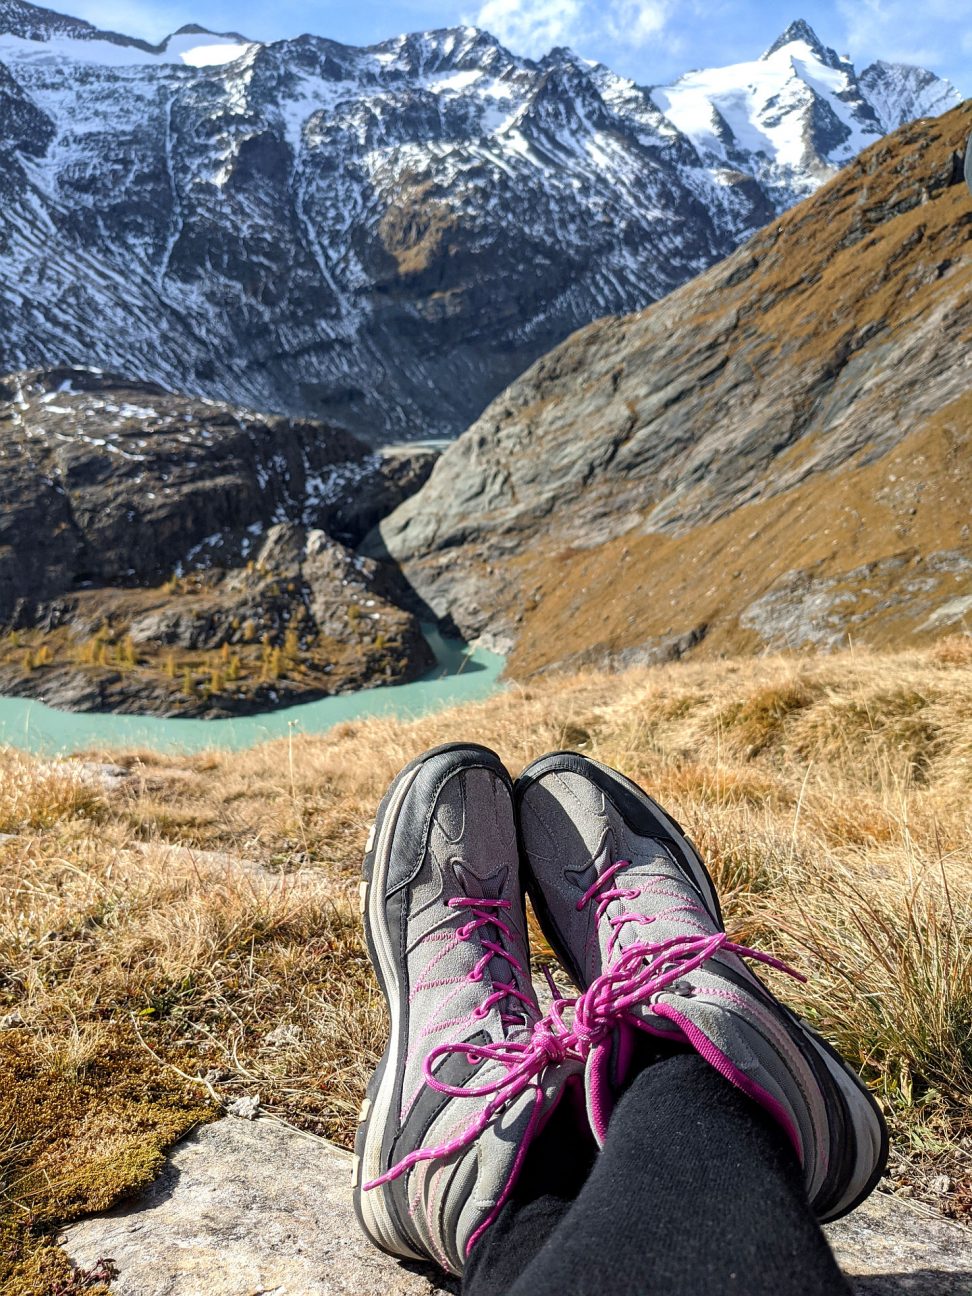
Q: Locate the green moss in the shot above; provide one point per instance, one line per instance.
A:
(75, 1142)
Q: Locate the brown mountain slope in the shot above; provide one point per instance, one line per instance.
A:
(775, 455)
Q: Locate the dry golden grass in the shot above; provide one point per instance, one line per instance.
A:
(40, 796)
(190, 935)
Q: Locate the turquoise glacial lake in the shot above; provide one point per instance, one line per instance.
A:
(460, 674)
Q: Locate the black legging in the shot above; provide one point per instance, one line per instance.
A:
(695, 1193)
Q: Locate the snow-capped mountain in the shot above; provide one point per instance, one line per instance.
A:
(23, 27)
(899, 93)
(798, 113)
(384, 236)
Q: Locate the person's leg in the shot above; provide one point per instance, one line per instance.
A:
(554, 1172)
(695, 1193)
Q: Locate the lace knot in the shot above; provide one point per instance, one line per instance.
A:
(522, 1063)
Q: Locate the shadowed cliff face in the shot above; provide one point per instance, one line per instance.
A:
(177, 556)
(776, 454)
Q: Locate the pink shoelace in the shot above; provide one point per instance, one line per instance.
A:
(646, 968)
(485, 913)
(642, 971)
(522, 1060)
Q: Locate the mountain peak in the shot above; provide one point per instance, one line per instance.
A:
(36, 23)
(900, 93)
(33, 22)
(325, 181)
(439, 49)
(452, 42)
(800, 30)
(193, 29)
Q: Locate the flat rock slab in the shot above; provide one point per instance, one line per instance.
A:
(259, 1209)
(246, 1208)
(892, 1247)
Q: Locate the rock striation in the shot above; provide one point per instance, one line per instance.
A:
(775, 456)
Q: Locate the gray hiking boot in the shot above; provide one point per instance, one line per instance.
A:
(471, 1072)
(627, 904)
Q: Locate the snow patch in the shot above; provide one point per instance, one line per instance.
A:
(197, 51)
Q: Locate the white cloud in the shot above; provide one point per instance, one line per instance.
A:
(530, 26)
(905, 32)
(637, 21)
(534, 26)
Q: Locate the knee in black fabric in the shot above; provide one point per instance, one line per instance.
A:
(554, 1172)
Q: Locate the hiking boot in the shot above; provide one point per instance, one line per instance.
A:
(472, 1071)
(627, 904)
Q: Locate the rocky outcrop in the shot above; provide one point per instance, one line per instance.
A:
(394, 474)
(167, 555)
(254, 1206)
(776, 455)
(108, 482)
(306, 618)
(247, 1206)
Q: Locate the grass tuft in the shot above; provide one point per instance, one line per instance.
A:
(33, 796)
(759, 720)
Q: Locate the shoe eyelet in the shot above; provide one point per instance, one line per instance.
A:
(478, 1013)
(474, 976)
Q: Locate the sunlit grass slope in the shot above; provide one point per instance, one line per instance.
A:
(187, 933)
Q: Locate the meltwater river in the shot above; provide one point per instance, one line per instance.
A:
(460, 675)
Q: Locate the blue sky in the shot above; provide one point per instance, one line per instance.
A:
(650, 40)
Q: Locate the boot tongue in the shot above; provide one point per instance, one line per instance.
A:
(582, 878)
(480, 885)
(490, 886)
